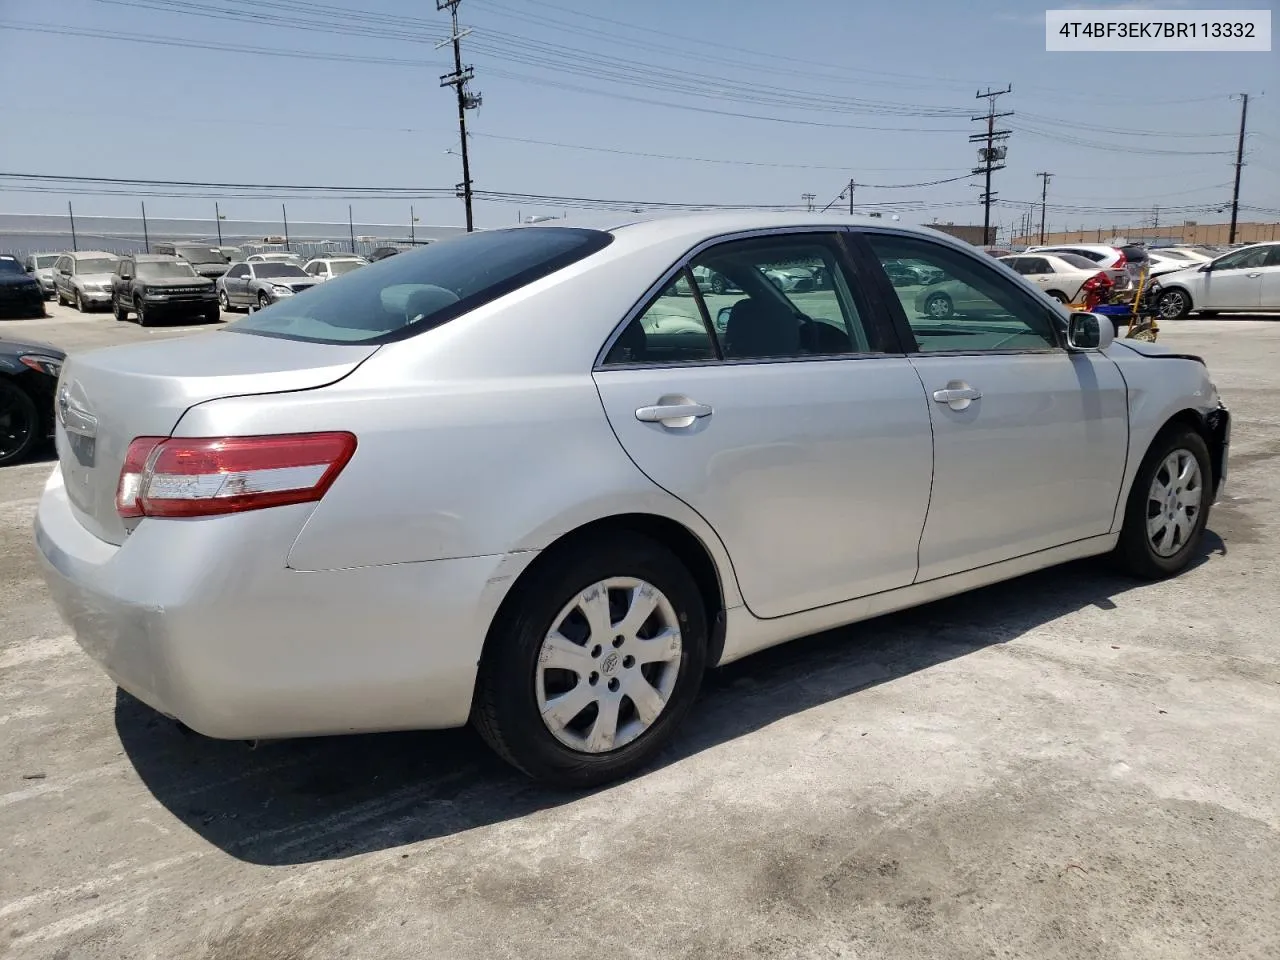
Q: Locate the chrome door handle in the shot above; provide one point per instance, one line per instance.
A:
(673, 414)
(957, 395)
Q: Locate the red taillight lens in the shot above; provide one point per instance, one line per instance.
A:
(129, 489)
(203, 476)
(1122, 262)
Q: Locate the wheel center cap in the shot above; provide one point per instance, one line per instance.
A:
(609, 664)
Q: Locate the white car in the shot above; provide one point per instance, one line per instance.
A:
(1066, 277)
(1188, 255)
(1111, 259)
(326, 268)
(514, 478)
(1245, 280)
(292, 258)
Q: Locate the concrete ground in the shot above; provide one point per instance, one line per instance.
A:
(1069, 765)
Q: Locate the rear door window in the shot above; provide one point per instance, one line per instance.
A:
(425, 287)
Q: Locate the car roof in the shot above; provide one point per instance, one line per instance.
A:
(86, 254)
(153, 258)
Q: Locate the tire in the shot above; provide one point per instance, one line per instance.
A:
(940, 307)
(1139, 552)
(58, 296)
(513, 680)
(19, 422)
(224, 301)
(1059, 296)
(80, 303)
(1209, 313)
(211, 315)
(1173, 304)
(118, 311)
(140, 309)
(717, 284)
(263, 301)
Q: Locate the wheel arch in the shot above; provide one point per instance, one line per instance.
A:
(691, 550)
(1211, 427)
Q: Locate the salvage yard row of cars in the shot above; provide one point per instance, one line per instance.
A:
(348, 512)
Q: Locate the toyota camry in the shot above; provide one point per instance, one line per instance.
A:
(540, 480)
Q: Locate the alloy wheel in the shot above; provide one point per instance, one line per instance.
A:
(1173, 502)
(939, 307)
(17, 422)
(608, 665)
(1173, 305)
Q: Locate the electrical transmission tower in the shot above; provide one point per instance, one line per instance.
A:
(467, 100)
(808, 199)
(993, 154)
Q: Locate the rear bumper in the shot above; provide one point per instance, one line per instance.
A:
(202, 620)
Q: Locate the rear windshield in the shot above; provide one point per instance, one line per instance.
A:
(201, 254)
(1134, 253)
(423, 288)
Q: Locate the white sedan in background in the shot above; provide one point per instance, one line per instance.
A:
(1245, 280)
(326, 268)
(517, 478)
(1062, 276)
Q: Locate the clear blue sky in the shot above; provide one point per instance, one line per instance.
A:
(97, 106)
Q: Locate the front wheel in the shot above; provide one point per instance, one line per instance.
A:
(717, 284)
(224, 301)
(1173, 304)
(594, 662)
(79, 302)
(1059, 296)
(19, 422)
(140, 308)
(1168, 506)
(263, 301)
(939, 307)
(211, 315)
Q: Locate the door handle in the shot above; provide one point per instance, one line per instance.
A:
(957, 395)
(673, 414)
(1254, 276)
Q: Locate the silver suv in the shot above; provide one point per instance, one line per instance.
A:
(84, 279)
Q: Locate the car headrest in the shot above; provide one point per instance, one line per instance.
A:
(759, 329)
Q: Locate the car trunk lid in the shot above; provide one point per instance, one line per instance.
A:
(108, 397)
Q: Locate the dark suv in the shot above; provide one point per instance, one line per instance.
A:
(207, 261)
(159, 287)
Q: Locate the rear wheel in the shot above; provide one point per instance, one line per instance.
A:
(717, 283)
(1168, 505)
(593, 663)
(19, 422)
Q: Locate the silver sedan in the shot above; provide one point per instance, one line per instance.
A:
(537, 479)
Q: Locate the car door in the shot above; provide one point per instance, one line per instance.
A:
(791, 422)
(1233, 281)
(237, 284)
(1270, 296)
(1030, 440)
(61, 269)
(121, 281)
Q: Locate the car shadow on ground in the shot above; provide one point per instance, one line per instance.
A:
(301, 801)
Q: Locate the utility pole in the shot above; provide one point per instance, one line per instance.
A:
(1044, 194)
(72, 214)
(413, 239)
(851, 198)
(1155, 220)
(351, 228)
(217, 216)
(808, 199)
(992, 156)
(466, 100)
(1235, 193)
(146, 239)
(285, 214)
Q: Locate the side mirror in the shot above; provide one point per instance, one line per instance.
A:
(1090, 331)
(722, 319)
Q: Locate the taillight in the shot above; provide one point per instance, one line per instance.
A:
(1122, 262)
(202, 476)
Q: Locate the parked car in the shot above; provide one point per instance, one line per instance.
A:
(708, 282)
(1109, 258)
(260, 283)
(84, 279)
(40, 266)
(156, 287)
(207, 261)
(1190, 255)
(1159, 261)
(233, 254)
(28, 375)
(381, 253)
(20, 293)
(1066, 277)
(906, 274)
(468, 482)
(326, 268)
(290, 258)
(1246, 280)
